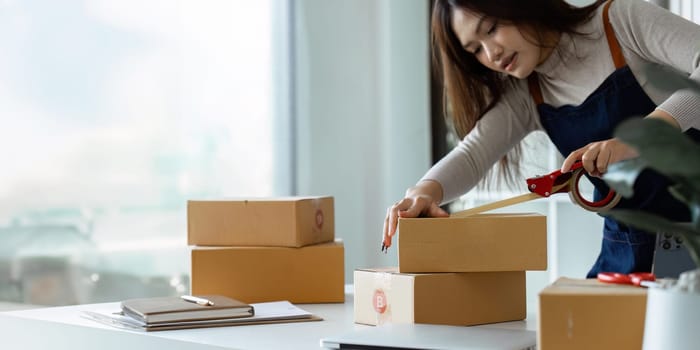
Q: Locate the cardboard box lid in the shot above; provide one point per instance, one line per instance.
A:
(477, 243)
(392, 269)
(261, 199)
(571, 286)
(338, 242)
(395, 271)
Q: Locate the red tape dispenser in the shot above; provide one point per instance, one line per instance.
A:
(545, 186)
(558, 182)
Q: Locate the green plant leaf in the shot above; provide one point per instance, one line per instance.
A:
(664, 148)
(621, 176)
(684, 190)
(687, 190)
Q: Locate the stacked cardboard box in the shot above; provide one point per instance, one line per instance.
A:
(455, 271)
(259, 250)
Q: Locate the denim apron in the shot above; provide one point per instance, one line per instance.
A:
(624, 249)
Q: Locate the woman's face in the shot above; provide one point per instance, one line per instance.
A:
(499, 47)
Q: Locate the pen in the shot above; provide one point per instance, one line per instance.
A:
(197, 300)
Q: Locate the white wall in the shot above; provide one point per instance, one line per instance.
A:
(362, 93)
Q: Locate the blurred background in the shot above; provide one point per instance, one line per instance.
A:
(115, 113)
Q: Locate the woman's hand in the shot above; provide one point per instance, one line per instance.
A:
(423, 199)
(596, 156)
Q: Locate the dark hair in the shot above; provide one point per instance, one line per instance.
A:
(470, 88)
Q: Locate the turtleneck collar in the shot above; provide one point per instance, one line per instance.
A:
(557, 56)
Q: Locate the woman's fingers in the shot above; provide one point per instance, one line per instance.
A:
(436, 212)
(597, 156)
(389, 225)
(602, 160)
(392, 219)
(589, 157)
(386, 238)
(408, 208)
(570, 160)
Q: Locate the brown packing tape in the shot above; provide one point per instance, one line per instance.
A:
(496, 205)
(509, 201)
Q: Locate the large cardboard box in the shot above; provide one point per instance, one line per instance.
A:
(283, 222)
(310, 274)
(587, 314)
(386, 296)
(479, 243)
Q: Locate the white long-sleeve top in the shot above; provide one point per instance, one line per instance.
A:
(647, 35)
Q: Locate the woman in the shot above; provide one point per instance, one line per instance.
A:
(513, 67)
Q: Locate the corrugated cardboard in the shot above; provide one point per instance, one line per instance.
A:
(282, 222)
(385, 296)
(479, 243)
(310, 274)
(587, 314)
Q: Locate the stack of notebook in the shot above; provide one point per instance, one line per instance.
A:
(166, 313)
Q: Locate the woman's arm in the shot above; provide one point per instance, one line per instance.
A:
(651, 37)
(459, 171)
(660, 37)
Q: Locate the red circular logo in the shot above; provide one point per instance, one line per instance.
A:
(319, 219)
(379, 301)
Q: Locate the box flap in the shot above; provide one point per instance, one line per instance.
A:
(379, 269)
(259, 199)
(571, 286)
(505, 214)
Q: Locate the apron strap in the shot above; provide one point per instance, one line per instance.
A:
(614, 45)
(533, 81)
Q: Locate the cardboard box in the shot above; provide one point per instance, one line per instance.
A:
(386, 296)
(479, 243)
(283, 222)
(310, 274)
(587, 314)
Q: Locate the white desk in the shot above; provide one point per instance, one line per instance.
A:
(62, 328)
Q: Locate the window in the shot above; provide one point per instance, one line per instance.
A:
(114, 114)
(686, 8)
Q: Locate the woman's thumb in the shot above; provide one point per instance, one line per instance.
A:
(436, 211)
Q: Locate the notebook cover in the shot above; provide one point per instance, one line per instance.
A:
(175, 309)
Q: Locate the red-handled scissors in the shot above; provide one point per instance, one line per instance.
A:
(636, 278)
